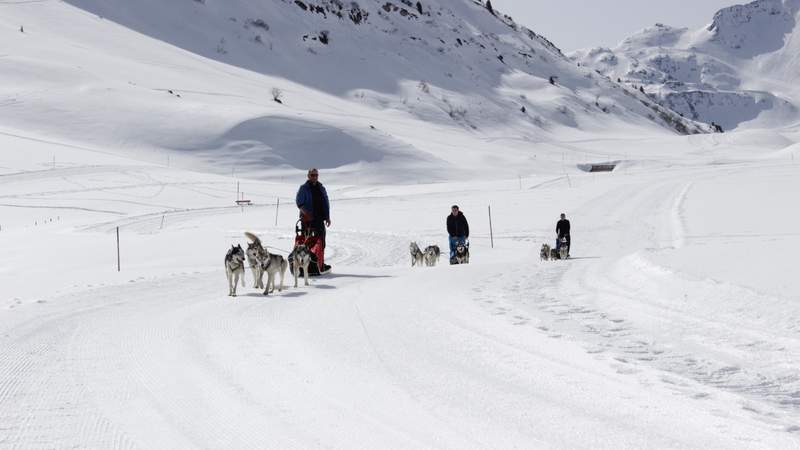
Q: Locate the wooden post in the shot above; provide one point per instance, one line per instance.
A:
(277, 209)
(491, 233)
(118, 266)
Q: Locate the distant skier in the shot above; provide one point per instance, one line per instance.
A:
(458, 229)
(562, 230)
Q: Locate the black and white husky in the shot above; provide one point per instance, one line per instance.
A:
(544, 253)
(431, 255)
(234, 267)
(253, 252)
(265, 261)
(416, 254)
(301, 258)
(563, 249)
(462, 253)
(562, 252)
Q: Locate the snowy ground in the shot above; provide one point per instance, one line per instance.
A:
(675, 325)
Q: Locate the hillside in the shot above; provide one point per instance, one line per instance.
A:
(196, 80)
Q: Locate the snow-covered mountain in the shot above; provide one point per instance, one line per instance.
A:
(740, 69)
(115, 69)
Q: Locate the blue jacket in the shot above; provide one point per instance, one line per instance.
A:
(305, 202)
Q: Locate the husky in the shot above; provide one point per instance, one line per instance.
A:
(563, 250)
(273, 264)
(265, 261)
(431, 255)
(301, 258)
(416, 254)
(234, 267)
(462, 253)
(253, 252)
(544, 254)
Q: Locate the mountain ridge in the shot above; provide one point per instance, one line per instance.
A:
(737, 71)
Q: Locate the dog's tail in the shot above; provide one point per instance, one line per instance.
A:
(253, 238)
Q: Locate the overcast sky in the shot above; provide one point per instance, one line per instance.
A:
(574, 24)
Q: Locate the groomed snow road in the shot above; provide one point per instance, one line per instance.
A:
(632, 344)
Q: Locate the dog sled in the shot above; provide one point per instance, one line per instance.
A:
(315, 245)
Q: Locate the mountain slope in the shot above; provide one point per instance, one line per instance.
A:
(198, 80)
(740, 69)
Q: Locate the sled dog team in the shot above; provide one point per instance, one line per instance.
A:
(314, 210)
(563, 243)
(261, 261)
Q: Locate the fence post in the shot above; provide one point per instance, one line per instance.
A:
(118, 266)
(277, 209)
(491, 233)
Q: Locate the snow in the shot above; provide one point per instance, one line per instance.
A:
(675, 324)
(739, 71)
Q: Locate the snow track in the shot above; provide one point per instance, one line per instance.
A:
(717, 337)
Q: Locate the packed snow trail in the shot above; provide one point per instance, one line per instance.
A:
(345, 363)
(638, 300)
(504, 352)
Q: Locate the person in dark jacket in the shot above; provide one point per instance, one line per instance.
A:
(312, 201)
(562, 230)
(457, 228)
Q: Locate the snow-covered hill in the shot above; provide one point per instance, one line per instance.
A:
(740, 69)
(198, 79)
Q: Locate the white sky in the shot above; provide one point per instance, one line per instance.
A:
(574, 24)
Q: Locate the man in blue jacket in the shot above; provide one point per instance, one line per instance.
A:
(312, 200)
